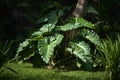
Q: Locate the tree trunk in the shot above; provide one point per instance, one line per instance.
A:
(78, 11)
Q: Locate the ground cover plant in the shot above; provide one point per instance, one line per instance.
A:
(27, 72)
(5, 55)
(110, 56)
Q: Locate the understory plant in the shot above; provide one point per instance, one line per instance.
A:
(5, 55)
(110, 56)
(51, 37)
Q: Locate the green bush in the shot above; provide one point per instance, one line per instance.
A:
(5, 55)
(4, 52)
(49, 36)
(110, 56)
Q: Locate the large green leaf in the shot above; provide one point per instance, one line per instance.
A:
(94, 38)
(80, 22)
(46, 46)
(44, 29)
(81, 50)
(24, 52)
(23, 45)
(85, 23)
(91, 36)
(68, 27)
(52, 17)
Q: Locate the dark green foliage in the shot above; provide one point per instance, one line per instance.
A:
(5, 55)
(49, 36)
(104, 15)
(110, 56)
(4, 52)
(49, 22)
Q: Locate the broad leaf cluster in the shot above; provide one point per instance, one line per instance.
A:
(49, 36)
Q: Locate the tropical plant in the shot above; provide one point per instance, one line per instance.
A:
(5, 55)
(110, 56)
(50, 36)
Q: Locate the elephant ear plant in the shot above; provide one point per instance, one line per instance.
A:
(110, 56)
(49, 36)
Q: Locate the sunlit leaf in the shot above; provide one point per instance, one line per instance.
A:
(46, 46)
(45, 28)
(80, 22)
(81, 50)
(68, 27)
(85, 23)
(91, 36)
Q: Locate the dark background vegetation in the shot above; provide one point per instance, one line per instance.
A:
(19, 18)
